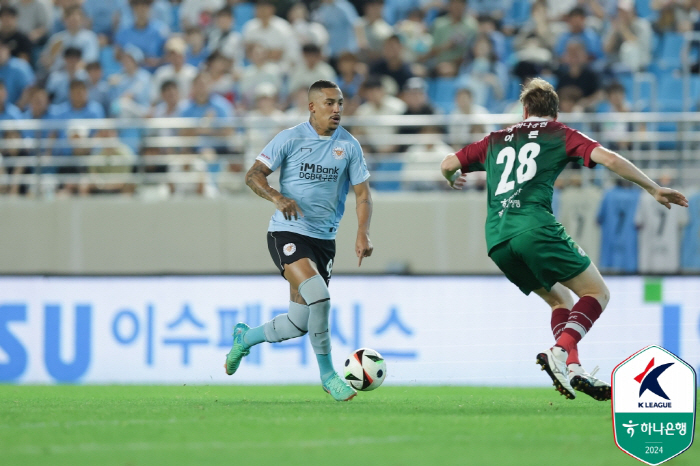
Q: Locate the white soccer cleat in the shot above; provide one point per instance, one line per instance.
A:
(553, 361)
(587, 383)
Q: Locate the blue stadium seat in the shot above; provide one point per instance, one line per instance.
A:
(441, 92)
(670, 51)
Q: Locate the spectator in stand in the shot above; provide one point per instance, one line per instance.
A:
(120, 159)
(161, 12)
(104, 17)
(199, 13)
(272, 33)
(15, 73)
(146, 33)
(452, 33)
(75, 35)
(378, 102)
(20, 45)
(59, 81)
(33, 20)
(576, 72)
(414, 95)
(485, 75)
(176, 69)
(266, 107)
(223, 39)
(414, 35)
(79, 105)
(259, 70)
(376, 30)
(299, 107)
(169, 105)
(8, 111)
(312, 69)
(538, 26)
(462, 132)
(220, 69)
(349, 78)
(672, 15)
(130, 90)
(488, 28)
(197, 51)
(495, 9)
(395, 11)
(628, 42)
(38, 108)
(617, 134)
(206, 104)
(392, 63)
(340, 17)
(306, 31)
(98, 89)
(580, 32)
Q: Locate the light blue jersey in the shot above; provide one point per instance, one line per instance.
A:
(316, 172)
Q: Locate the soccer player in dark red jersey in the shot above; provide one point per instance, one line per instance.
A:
(522, 235)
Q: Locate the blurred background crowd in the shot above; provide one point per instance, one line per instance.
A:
(136, 60)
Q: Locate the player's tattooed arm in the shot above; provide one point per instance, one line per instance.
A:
(256, 179)
(363, 200)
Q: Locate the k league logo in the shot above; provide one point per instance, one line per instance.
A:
(653, 403)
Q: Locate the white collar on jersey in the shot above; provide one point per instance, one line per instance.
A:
(324, 137)
(536, 118)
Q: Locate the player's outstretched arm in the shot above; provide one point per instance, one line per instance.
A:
(363, 199)
(256, 179)
(451, 170)
(628, 171)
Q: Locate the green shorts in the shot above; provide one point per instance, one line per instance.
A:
(539, 258)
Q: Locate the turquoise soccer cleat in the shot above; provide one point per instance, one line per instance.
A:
(338, 389)
(238, 350)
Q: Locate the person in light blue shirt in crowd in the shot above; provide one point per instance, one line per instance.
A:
(161, 12)
(98, 88)
(206, 104)
(38, 109)
(580, 32)
(146, 33)
(105, 15)
(130, 90)
(8, 111)
(618, 249)
(341, 19)
(79, 106)
(59, 81)
(75, 35)
(15, 73)
(318, 161)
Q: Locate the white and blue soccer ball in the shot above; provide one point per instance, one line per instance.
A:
(365, 369)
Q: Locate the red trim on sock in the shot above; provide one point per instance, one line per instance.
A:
(568, 339)
(573, 357)
(559, 318)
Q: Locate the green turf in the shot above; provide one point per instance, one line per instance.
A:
(300, 425)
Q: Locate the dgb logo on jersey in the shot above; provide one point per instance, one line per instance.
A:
(653, 402)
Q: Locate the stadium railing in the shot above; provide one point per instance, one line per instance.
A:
(185, 153)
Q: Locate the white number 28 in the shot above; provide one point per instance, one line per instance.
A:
(527, 167)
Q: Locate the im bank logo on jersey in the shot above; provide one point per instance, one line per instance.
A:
(653, 404)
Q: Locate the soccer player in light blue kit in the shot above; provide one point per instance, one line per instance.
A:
(318, 161)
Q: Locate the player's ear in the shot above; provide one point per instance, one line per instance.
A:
(311, 107)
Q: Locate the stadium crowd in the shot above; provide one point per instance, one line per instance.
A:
(91, 59)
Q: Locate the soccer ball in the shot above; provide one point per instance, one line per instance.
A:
(365, 369)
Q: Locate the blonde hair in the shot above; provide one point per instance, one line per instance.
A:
(540, 99)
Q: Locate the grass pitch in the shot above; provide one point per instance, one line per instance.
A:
(301, 425)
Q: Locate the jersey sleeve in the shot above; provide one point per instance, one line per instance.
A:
(274, 152)
(579, 147)
(473, 156)
(357, 168)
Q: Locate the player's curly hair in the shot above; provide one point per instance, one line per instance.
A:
(540, 99)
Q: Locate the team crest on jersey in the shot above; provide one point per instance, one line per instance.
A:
(338, 153)
(289, 249)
